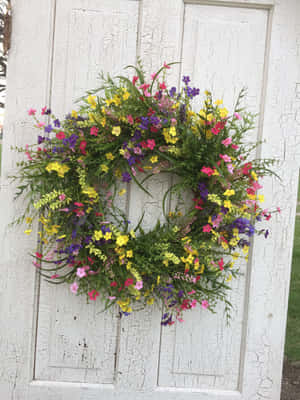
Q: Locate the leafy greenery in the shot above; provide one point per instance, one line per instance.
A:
(132, 131)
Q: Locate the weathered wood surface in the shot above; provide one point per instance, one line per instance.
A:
(53, 345)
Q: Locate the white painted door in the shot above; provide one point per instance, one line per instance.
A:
(53, 345)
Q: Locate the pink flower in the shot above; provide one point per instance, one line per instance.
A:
(93, 294)
(49, 255)
(36, 264)
(230, 168)
(225, 157)
(31, 111)
(44, 109)
(234, 146)
(278, 209)
(207, 170)
(193, 303)
(139, 285)
(133, 171)
(215, 130)
(146, 93)
(81, 272)
(62, 197)
(162, 86)
(111, 297)
(207, 228)
(227, 141)
(237, 116)
(166, 65)
(137, 150)
(256, 186)
(54, 276)
(153, 76)
(134, 79)
(40, 124)
(64, 209)
(60, 135)
(204, 304)
(130, 119)
(74, 287)
(150, 144)
(94, 131)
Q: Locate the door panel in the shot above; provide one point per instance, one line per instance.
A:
(68, 349)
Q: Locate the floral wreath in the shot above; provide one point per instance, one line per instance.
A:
(133, 131)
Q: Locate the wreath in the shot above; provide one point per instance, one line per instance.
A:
(82, 164)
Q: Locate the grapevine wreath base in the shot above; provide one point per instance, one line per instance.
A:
(137, 128)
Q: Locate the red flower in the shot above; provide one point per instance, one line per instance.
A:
(128, 282)
(221, 264)
(98, 214)
(134, 79)
(94, 131)
(60, 135)
(82, 147)
(144, 145)
(93, 294)
(39, 255)
(113, 284)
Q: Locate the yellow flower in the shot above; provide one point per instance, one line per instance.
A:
(107, 235)
(90, 191)
(132, 234)
(59, 168)
(103, 121)
(154, 159)
(98, 235)
(229, 278)
(129, 253)
(229, 193)
(92, 117)
(150, 301)
(223, 112)
(122, 240)
(92, 101)
(158, 280)
(216, 172)
(261, 198)
(28, 231)
(74, 114)
(109, 156)
(118, 173)
(235, 256)
(104, 168)
(254, 176)
(116, 130)
(218, 102)
(172, 131)
(228, 204)
(122, 192)
(126, 95)
(28, 220)
(245, 249)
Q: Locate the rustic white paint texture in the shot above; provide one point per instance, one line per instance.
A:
(55, 346)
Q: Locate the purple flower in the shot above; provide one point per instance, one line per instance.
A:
(186, 79)
(131, 160)
(48, 128)
(203, 190)
(126, 177)
(40, 139)
(172, 91)
(48, 111)
(56, 123)
(266, 233)
(182, 113)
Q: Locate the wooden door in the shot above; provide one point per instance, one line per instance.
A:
(55, 346)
